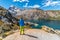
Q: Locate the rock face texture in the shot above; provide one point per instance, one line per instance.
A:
(6, 21)
(33, 34)
(50, 30)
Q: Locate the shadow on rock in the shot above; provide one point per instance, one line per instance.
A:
(30, 35)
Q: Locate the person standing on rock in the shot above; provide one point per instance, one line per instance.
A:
(21, 23)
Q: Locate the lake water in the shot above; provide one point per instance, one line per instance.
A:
(53, 24)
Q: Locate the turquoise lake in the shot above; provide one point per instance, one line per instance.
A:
(50, 23)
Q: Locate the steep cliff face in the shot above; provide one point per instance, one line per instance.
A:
(6, 20)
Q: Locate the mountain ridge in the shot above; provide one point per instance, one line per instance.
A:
(33, 13)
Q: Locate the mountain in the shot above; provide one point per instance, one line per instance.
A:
(6, 16)
(15, 11)
(53, 14)
(26, 13)
(35, 13)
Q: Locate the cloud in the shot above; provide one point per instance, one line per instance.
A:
(25, 5)
(21, 0)
(51, 3)
(34, 6)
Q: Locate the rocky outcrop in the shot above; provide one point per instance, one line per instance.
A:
(50, 30)
(33, 34)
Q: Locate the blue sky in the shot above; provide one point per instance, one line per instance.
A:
(42, 4)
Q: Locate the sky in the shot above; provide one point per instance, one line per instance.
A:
(41, 4)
